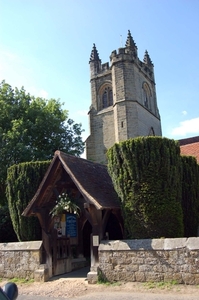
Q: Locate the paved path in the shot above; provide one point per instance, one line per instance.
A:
(116, 296)
(111, 295)
(130, 296)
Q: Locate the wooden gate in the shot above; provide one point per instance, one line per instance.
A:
(61, 255)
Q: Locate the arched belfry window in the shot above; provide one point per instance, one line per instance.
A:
(151, 132)
(110, 97)
(106, 96)
(146, 95)
(105, 99)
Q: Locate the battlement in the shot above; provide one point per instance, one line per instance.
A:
(126, 54)
(147, 69)
(116, 53)
(105, 67)
(120, 54)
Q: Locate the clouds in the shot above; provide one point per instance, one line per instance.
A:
(188, 127)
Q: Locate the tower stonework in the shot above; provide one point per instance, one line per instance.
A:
(124, 101)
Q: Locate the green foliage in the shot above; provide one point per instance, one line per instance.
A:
(190, 195)
(160, 284)
(65, 204)
(102, 278)
(21, 280)
(146, 173)
(22, 182)
(32, 129)
(7, 233)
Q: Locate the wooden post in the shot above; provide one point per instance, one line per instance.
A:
(95, 218)
(47, 246)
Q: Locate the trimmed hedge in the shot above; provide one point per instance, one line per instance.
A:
(146, 173)
(22, 183)
(190, 195)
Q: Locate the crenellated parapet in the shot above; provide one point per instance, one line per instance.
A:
(105, 67)
(123, 54)
(147, 69)
(129, 54)
(130, 49)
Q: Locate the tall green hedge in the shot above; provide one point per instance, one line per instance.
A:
(7, 233)
(146, 173)
(190, 195)
(22, 183)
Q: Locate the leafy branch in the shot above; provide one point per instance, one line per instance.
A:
(65, 204)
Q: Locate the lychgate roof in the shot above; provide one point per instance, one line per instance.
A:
(91, 179)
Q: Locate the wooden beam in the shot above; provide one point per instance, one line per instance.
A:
(105, 220)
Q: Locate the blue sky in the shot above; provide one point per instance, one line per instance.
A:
(45, 46)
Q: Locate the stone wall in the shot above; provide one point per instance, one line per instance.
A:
(150, 260)
(22, 260)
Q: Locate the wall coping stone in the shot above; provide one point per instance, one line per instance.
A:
(175, 243)
(192, 243)
(150, 244)
(21, 246)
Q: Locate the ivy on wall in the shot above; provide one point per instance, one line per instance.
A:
(22, 183)
(147, 175)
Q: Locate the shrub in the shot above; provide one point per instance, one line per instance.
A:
(22, 183)
(190, 195)
(146, 173)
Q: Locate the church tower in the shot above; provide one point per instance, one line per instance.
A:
(124, 101)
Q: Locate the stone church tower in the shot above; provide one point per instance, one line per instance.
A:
(124, 101)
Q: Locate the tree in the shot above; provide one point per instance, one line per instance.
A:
(32, 129)
(146, 173)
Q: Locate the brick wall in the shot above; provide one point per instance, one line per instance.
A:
(150, 260)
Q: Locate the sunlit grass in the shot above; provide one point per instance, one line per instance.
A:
(20, 280)
(160, 284)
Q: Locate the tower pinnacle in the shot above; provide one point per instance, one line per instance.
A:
(131, 44)
(94, 54)
(147, 59)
